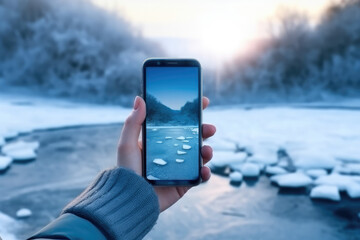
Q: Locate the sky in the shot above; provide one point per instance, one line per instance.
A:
(172, 86)
(209, 29)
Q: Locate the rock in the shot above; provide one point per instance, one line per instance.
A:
(23, 213)
(315, 173)
(5, 163)
(275, 170)
(180, 152)
(159, 161)
(236, 176)
(186, 147)
(353, 190)
(325, 192)
(179, 160)
(292, 180)
(180, 138)
(250, 170)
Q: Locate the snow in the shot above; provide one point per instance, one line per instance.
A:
(250, 170)
(186, 147)
(159, 142)
(275, 170)
(325, 192)
(19, 145)
(23, 213)
(22, 155)
(236, 176)
(292, 180)
(223, 158)
(353, 190)
(179, 160)
(8, 225)
(180, 152)
(334, 179)
(5, 162)
(315, 173)
(159, 161)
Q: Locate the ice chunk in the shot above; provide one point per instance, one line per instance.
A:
(151, 177)
(315, 173)
(265, 159)
(325, 192)
(159, 142)
(23, 213)
(313, 159)
(349, 168)
(168, 137)
(179, 160)
(180, 152)
(22, 155)
(250, 170)
(195, 130)
(275, 170)
(5, 162)
(185, 141)
(159, 161)
(292, 180)
(186, 147)
(189, 137)
(180, 138)
(236, 176)
(175, 144)
(334, 179)
(222, 158)
(154, 129)
(353, 190)
(19, 145)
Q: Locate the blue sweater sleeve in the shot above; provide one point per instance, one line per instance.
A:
(119, 204)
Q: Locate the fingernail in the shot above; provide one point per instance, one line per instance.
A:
(136, 103)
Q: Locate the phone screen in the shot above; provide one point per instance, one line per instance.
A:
(172, 122)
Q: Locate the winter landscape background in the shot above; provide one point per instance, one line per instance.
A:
(285, 103)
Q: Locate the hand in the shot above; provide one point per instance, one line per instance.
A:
(130, 152)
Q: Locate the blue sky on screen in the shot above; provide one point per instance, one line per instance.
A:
(172, 86)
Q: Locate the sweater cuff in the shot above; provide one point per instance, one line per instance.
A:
(120, 203)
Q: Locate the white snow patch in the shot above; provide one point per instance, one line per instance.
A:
(275, 170)
(5, 162)
(151, 177)
(19, 145)
(334, 179)
(180, 138)
(22, 155)
(159, 142)
(159, 161)
(250, 170)
(236, 176)
(325, 192)
(353, 190)
(315, 173)
(313, 158)
(222, 158)
(180, 152)
(23, 213)
(292, 180)
(186, 147)
(178, 160)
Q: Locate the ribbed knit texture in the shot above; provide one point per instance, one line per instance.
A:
(120, 203)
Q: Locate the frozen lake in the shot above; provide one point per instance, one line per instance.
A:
(177, 147)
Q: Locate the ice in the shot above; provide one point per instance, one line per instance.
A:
(250, 170)
(8, 226)
(310, 158)
(159, 142)
(186, 147)
(315, 173)
(5, 162)
(151, 177)
(175, 144)
(292, 180)
(179, 160)
(185, 141)
(222, 158)
(23, 213)
(353, 190)
(180, 152)
(2, 141)
(180, 138)
(221, 145)
(275, 170)
(18, 146)
(189, 137)
(159, 161)
(195, 130)
(349, 168)
(325, 192)
(154, 129)
(168, 137)
(334, 179)
(236, 176)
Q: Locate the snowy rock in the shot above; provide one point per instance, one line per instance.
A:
(180, 138)
(292, 180)
(275, 170)
(151, 177)
(159, 142)
(222, 158)
(325, 192)
(176, 144)
(19, 145)
(265, 159)
(315, 173)
(334, 179)
(308, 159)
(250, 170)
(236, 176)
(186, 147)
(22, 155)
(353, 190)
(159, 161)
(168, 137)
(179, 160)
(5, 163)
(23, 213)
(180, 152)
(185, 141)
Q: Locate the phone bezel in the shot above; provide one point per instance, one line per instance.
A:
(169, 62)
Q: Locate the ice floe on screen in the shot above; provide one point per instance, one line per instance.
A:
(159, 161)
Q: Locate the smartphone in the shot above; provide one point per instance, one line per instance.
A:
(172, 90)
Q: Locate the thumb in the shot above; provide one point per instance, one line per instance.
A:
(132, 127)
